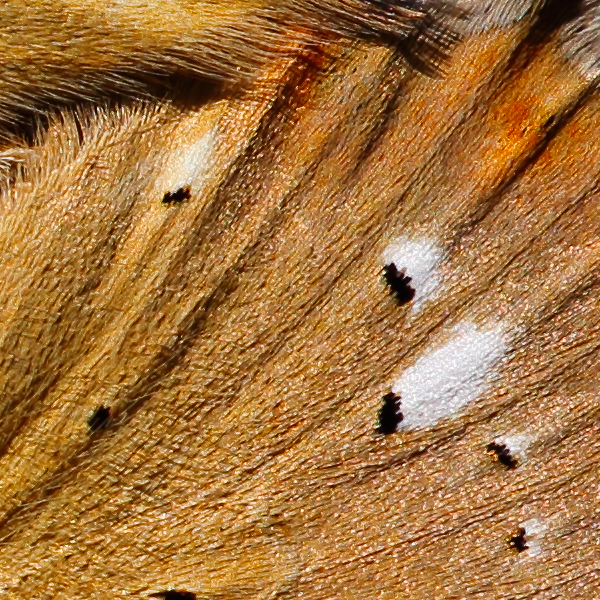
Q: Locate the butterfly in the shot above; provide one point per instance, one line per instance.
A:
(218, 277)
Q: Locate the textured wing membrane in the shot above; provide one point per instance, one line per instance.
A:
(55, 52)
(192, 392)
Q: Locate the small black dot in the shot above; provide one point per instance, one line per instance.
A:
(174, 595)
(389, 414)
(518, 541)
(399, 284)
(503, 455)
(177, 196)
(99, 418)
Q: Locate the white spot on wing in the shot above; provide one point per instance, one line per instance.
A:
(419, 260)
(516, 444)
(440, 383)
(188, 163)
(534, 529)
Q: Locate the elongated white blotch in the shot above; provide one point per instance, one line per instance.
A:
(444, 380)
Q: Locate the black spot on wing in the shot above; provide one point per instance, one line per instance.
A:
(399, 283)
(177, 197)
(519, 541)
(99, 418)
(503, 455)
(390, 415)
(174, 595)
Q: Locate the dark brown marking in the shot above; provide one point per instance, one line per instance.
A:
(177, 197)
(174, 595)
(399, 283)
(503, 455)
(390, 415)
(519, 541)
(99, 418)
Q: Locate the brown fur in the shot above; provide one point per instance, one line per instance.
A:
(244, 338)
(55, 51)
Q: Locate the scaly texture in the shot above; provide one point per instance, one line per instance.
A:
(53, 51)
(196, 337)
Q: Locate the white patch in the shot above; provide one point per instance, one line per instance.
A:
(534, 530)
(516, 444)
(534, 527)
(420, 261)
(440, 383)
(187, 164)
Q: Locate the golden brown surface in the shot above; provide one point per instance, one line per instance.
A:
(243, 339)
(58, 51)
